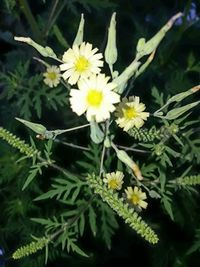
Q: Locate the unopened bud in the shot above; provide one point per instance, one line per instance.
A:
(124, 157)
(111, 48)
(79, 36)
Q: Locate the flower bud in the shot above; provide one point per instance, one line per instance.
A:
(79, 36)
(111, 49)
(124, 157)
(37, 128)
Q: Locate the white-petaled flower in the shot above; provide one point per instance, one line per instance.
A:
(95, 97)
(52, 76)
(80, 62)
(114, 180)
(136, 197)
(130, 113)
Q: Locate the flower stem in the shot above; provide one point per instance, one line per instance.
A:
(50, 19)
(31, 20)
(72, 145)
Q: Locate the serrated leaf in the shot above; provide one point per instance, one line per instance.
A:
(168, 207)
(154, 194)
(92, 220)
(82, 224)
(79, 251)
(40, 221)
(29, 179)
(47, 195)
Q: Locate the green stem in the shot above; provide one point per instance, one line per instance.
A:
(68, 224)
(31, 20)
(133, 149)
(102, 160)
(57, 167)
(49, 22)
(71, 145)
(47, 65)
(58, 13)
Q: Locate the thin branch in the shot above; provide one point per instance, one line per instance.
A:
(30, 18)
(102, 160)
(67, 225)
(133, 149)
(49, 22)
(71, 145)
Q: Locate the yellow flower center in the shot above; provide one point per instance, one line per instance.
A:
(129, 113)
(113, 184)
(135, 199)
(94, 98)
(81, 64)
(52, 76)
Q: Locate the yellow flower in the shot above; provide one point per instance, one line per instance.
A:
(130, 113)
(95, 97)
(80, 62)
(114, 180)
(52, 76)
(136, 197)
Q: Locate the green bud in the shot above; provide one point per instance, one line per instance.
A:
(96, 133)
(179, 97)
(140, 45)
(177, 112)
(44, 51)
(124, 157)
(111, 48)
(107, 142)
(37, 128)
(79, 36)
(123, 78)
(151, 45)
(159, 149)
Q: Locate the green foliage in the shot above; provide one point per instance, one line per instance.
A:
(108, 223)
(196, 244)
(92, 163)
(22, 90)
(10, 4)
(63, 188)
(122, 209)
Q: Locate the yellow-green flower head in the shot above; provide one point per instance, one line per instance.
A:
(130, 113)
(114, 180)
(52, 76)
(95, 96)
(136, 197)
(80, 62)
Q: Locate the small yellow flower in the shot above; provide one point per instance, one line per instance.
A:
(136, 197)
(114, 180)
(130, 113)
(52, 76)
(80, 62)
(95, 96)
